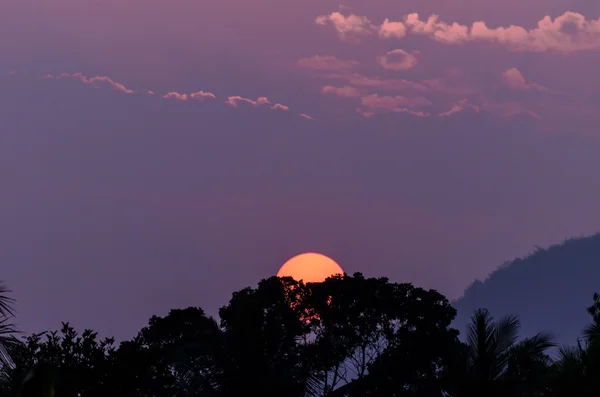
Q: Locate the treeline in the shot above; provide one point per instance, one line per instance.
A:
(348, 336)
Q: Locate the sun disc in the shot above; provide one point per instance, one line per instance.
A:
(310, 268)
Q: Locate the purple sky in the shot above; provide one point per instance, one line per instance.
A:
(162, 154)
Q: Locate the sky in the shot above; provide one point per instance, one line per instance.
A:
(156, 155)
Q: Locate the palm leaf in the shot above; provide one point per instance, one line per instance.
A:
(592, 332)
(6, 302)
(506, 333)
(480, 335)
(537, 345)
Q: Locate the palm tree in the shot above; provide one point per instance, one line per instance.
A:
(8, 341)
(7, 328)
(498, 363)
(569, 373)
(591, 332)
(576, 370)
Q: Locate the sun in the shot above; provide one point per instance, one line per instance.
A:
(310, 268)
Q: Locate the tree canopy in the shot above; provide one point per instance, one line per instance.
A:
(348, 336)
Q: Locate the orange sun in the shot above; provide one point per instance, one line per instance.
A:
(310, 268)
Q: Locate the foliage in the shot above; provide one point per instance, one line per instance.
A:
(349, 336)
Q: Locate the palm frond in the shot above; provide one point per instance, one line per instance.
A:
(592, 332)
(480, 334)
(568, 354)
(506, 333)
(6, 302)
(537, 345)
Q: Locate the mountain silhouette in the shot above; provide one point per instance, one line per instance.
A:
(549, 290)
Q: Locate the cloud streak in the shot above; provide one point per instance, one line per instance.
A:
(326, 62)
(93, 81)
(459, 107)
(374, 103)
(199, 95)
(506, 96)
(344, 92)
(232, 101)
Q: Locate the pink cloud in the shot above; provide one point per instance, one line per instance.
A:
(374, 82)
(568, 32)
(347, 27)
(234, 100)
(369, 114)
(382, 104)
(201, 95)
(176, 95)
(306, 116)
(93, 81)
(459, 107)
(392, 29)
(398, 60)
(508, 109)
(452, 85)
(450, 94)
(514, 80)
(345, 91)
(326, 62)
(279, 106)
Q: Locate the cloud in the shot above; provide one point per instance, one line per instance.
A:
(383, 104)
(452, 85)
(375, 82)
(279, 106)
(199, 95)
(233, 101)
(506, 96)
(176, 95)
(459, 107)
(93, 81)
(392, 29)
(306, 116)
(509, 109)
(349, 27)
(326, 62)
(345, 91)
(568, 32)
(398, 60)
(514, 80)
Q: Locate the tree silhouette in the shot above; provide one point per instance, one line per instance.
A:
(577, 368)
(8, 341)
(65, 362)
(384, 337)
(349, 336)
(497, 363)
(262, 328)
